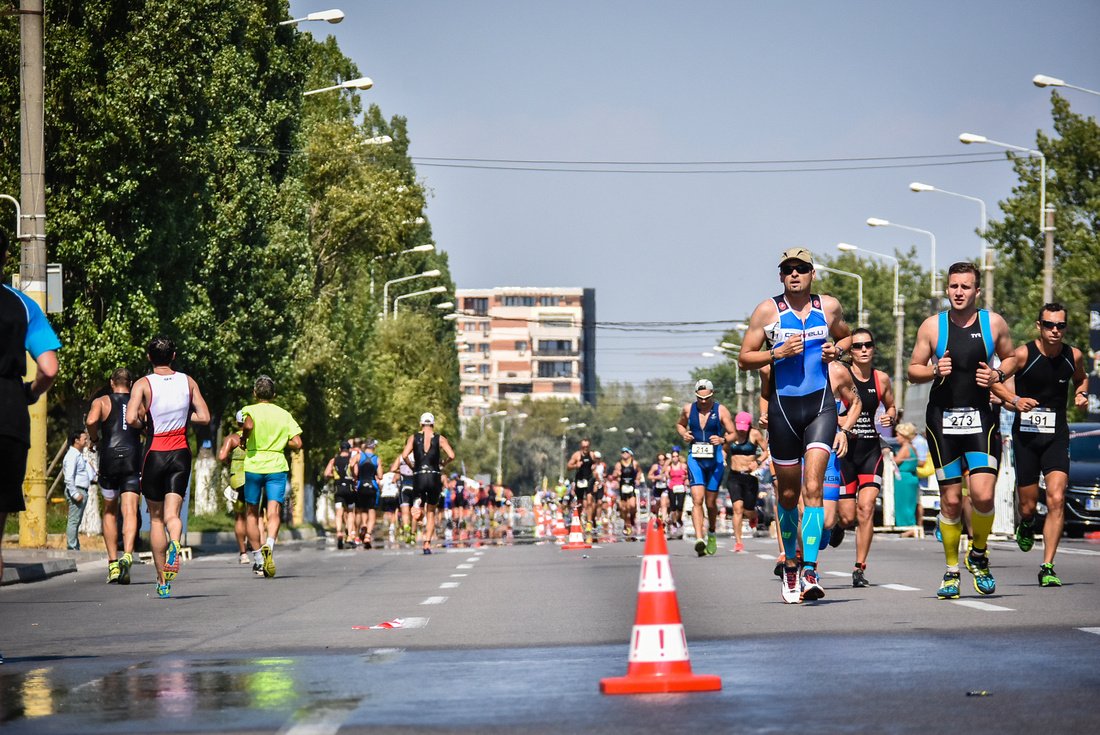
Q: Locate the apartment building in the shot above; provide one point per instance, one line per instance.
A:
(517, 342)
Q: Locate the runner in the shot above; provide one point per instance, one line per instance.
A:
(953, 352)
(658, 477)
(268, 431)
(232, 451)
(368, 475)
(584, 483)
(840, 483)
(1040, 433)
(388, 501)
(423, 449)
(802, 413)
(119, 464)
(405, 478)
(627, 473)
(170, 401)
(706, 426)
(677, 485)
(747, 452)
(339, 470)
(864, 446)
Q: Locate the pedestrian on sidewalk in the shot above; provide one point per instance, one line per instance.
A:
(78, 478)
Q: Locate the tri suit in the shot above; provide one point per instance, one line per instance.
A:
(1040, 437)
(345, 484)
(427, 477)
(864, 446)
(628, 480)
(582, 480)
(366, 495)
(119, 451)
(166, 468)
(801, 413)
(960, 420)
(706, 462)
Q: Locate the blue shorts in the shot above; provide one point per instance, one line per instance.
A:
(707, 473)
(255, 484)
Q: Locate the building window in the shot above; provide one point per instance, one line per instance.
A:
(484, 391)
(557, 322)
(519, 300)
(469, 368)
(469, 411)
(521, 347)
(483, 348)
(563, 387)
(470, 390)
(484, 369)
(548, 300)
(555, 346)
(552, 369)
(506, 388)
(479, 306)
(471, 347)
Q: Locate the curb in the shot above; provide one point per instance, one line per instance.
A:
(16, 572)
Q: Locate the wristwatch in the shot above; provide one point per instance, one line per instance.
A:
(1000, 374)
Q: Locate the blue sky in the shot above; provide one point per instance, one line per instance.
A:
(671, 83)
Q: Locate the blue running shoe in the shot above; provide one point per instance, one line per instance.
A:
(172, 563)
(949, 590)
(983, 580)
(164, 590)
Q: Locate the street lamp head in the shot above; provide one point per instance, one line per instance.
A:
(432, 273)
(846, 247)
(421, 248)
(1042, 80)
(446, 305)
(436, 289)
(499, 413)
(730, 346)
(612, 429)
(917, 186)
(360, 83)
(450, 317)
(564, 419)
(667, 399)
(971, 138)
(332, 16)
(708, 354)
(521, 415)
(380, 140)
(876, 222)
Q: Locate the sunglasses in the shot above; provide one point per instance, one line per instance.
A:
(704, 398)
(801, 268)
(862, 345)
(1051, 325)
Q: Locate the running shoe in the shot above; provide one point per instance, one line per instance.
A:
(738, 547)
(124, 564)
(858, 580)
(837, 536)
(340, 541)
(628, 531)
(258, 569)
(172, 563)
(811, 588)
(969, 549)
(1025, 536)
(427, 549)
(367, 544)
(269, 561)
(164, 590)
(779, 564)
(949, 590)
(983, 580)
(112, 572)
(1047, 577)
(245, 558)
(700, 547)
(712, 544)
(791, 592)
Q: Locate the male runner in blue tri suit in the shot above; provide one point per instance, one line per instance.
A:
(802, 418)
(706, 427)
(953, 352)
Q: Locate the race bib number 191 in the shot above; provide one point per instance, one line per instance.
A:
(1037, 421)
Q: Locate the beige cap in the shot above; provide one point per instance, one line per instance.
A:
(797, 254)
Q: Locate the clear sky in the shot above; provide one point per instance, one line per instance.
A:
(718, 89)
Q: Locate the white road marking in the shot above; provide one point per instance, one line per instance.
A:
(458, 575)
(434, 601)
(448, 585)
(465, 566)
(838, 574)
(473, 558)
(1094, 631)
(907, 588)
(769, 557)
(414, 623)
(983, 606)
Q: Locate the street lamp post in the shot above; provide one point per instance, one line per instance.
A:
(861, 316)
(564, 431)
(876, 222)
(434, 273)
(433, 289)
(1042, 80)
(735, 350)
(1046, 223)
(500, 444)
(360, 83)
(899, 321)
(418, 249)
(987, 254)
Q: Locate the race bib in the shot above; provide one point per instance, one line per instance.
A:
(701, 450)
(1037, 421)
(679, 489)
(962, 421)
(626, 489)
(582, 484)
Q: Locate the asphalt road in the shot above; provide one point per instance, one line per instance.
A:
(516, 639)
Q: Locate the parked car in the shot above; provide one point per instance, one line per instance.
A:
(1083, 489)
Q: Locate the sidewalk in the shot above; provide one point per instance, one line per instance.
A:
(30, 565)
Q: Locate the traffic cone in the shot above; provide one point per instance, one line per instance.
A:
(559, 525)
(659, 660)
(576, 535)
(540, 527)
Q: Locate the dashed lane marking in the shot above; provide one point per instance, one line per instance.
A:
(1094, 631)
(906, 588)
(448, 585)
(465, 566)
(838, 574)
(983, 606)
(434, 601)
(459, 575)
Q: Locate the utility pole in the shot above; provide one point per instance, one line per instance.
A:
(1048, 256)
(32, 273)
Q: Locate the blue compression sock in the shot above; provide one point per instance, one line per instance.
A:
(813, 521)
(788, 531)
(825, 536)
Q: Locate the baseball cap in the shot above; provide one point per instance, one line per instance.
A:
(427, 418)
(743, 421)
(239, 417)
(797, 254)
(344, 446)
(372, 442)
(703, 384)
(676, 449)
(627, 450)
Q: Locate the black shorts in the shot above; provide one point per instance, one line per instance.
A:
(797, 423)
(676, 500)
(459, 501)
(165, 473)
(13, 470)
(366, 496)
(407, 495)
(743, 486)
(865, 459)
(659, 490)
(582, 492)
(1040, 454)
(388, 505)
(428, 486)
(980, 449)
(114, 485)
(345, 493)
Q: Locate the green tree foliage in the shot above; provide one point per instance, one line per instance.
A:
(1073, 188)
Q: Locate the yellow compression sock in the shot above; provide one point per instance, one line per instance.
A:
(983, 526)
(951, 531)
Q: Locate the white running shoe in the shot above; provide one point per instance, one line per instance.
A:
(791, 589)
(811, 588)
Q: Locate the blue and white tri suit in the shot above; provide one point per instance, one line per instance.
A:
(704, 470)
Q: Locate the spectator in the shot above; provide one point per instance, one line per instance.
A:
(78, 478)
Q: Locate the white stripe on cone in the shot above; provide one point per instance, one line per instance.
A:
(656, 574)
(658, 644)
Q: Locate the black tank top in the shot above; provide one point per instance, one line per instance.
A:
(869, 402)
(745, 448)
(426, 459)
(340, 469)
(966, 347)
(119, 444)
(1046, 379)
(584, 472)
(629, 475)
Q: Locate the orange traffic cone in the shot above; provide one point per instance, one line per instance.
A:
(576, 535)
(559, 525)
(659, 660)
